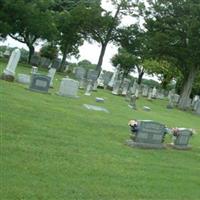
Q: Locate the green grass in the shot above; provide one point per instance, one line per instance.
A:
(54, 148)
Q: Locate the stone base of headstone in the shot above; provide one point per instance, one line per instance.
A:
(145, 108)
(169, 106)
(180, 147)
(6, 77)
(23, 78)
(132, 107)
(99, 99)
(131, 143)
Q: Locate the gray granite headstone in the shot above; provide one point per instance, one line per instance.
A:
(56, 63)
(23, 78)
(88, 88)
(132, 104)
(197, 107)
(125, 86)
(116, 87)
(95, 108)
(45, 62)
(145, 91)
(107, 77)
(35, 60)
(92, 75)
(40, 83)
(68, 87)
(80, 73)
(150, 135)
(182, 139)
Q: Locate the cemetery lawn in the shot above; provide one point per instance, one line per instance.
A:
(54, 148)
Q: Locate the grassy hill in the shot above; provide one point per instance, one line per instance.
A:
(54, 148)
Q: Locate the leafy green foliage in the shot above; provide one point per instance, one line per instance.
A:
(125, 60)
(173, 32)
(86, 64)
(49, 51)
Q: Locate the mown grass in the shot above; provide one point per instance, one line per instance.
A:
(54, 148)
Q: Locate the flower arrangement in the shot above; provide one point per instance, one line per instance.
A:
(176, 131)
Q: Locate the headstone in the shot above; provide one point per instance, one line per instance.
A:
(95, 84)
(51, 74)
(9, 72)
(1, 54)
(88, 88)
(133, 102)
(116, 87)
(134, 87)
(197, 107)
(150, 135)
(171, 103)
(100, 80)
(45, 62)
(176, 98)
(6, 54)
(82, 83)
(125, 86)
(99, 99)
(114, 77)
(92, 75)
(24, 78)
(35, 60)
(39, 83)
(56, 63)
(80, 73)
(196, 98)
(146, 108)
(95, 108)
(68, 87)
(149, 96)
(107, 77)
(128, 95)
(34, 70)
(137, 92)
(145, 91)
(182, 138)
(154, 93)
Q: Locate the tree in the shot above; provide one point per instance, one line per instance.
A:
(133, 39)
(27, 21)
(49, 50)
(173, 27)
(69, 23)
(102, 25)
(86, 64)
(162, 69)
(126, 61)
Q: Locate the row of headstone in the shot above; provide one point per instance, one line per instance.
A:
(151, 134)
(37, 60)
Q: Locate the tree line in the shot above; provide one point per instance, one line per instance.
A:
(164, 38)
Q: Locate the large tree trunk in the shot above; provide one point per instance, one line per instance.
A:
(31, 52)
(187, 88)
(62, 65)
(140, 77)
(100, 61)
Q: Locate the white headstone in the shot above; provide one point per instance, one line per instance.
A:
(34, 70)
(154, 92)
(23, 78)
(68, 87)
(114, 77)
(12, 64)
(88, 88)
(51, 74)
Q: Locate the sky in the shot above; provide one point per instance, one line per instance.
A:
(89, 51)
